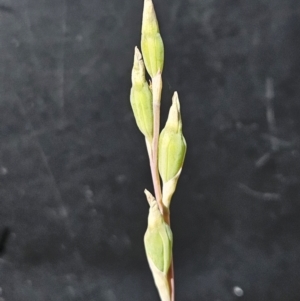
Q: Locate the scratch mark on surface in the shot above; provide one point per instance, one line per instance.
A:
(35, 62)
(61, 68)
(34, 59)
(264, 196)
(56, 190)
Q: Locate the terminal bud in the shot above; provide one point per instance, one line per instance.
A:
(151, 41)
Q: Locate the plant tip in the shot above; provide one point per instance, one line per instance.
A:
(137, 53)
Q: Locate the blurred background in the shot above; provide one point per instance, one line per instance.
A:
(73, 165)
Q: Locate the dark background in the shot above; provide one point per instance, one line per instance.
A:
(73, 165)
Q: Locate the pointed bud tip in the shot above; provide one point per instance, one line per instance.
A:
(149, 22)
(149, 11)
(149, 196)
(174, 117)
(138, 69)
(175, 101)
(137, 53)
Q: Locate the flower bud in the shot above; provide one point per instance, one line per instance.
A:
(158, 242)
(141, 97)
(151, 41)
(172, 145)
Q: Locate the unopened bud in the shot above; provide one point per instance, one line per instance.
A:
(141, 97)
(172, 145)
(158, 242)
(151, 41)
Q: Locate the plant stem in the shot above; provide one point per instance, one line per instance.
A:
(156, 90)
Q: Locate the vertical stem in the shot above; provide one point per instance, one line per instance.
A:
(171, 270)
(156, 90)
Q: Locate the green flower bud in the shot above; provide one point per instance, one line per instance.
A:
(158, 238)
(141, 97)
(158, 241)
(172, 145)
(151, 41)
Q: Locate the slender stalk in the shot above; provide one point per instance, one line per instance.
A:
(171, 270)
(156, 91)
